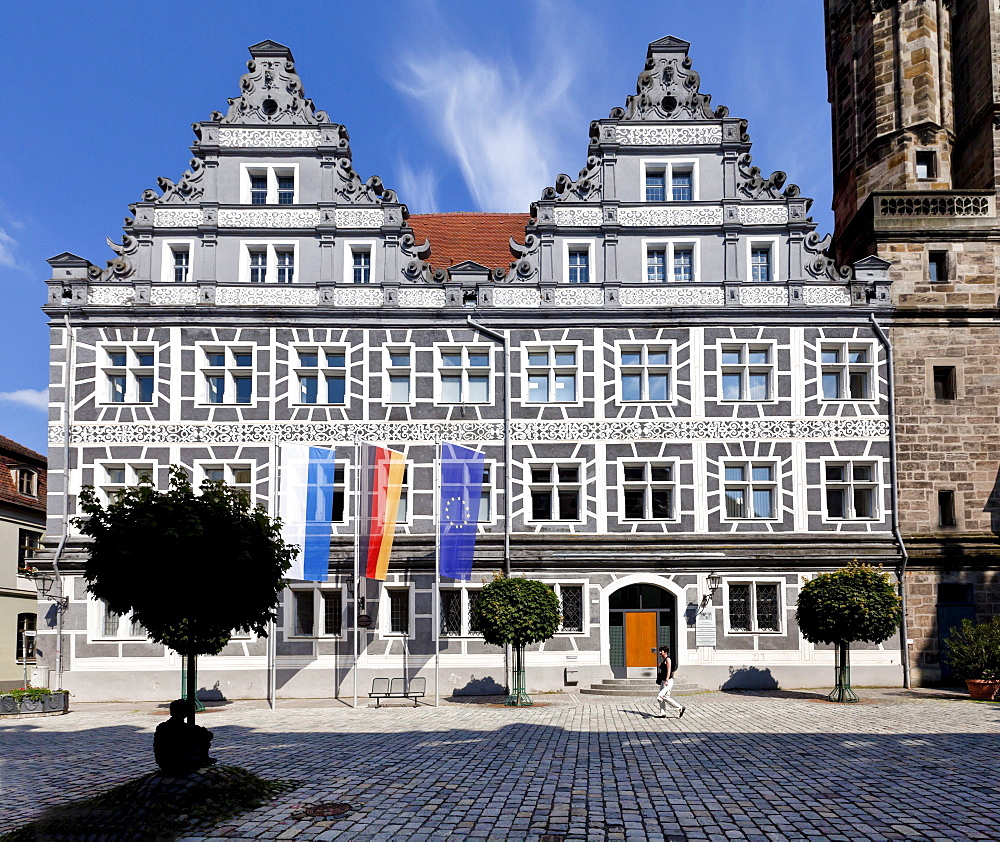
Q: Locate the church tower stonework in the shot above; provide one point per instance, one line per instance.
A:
(914, 88)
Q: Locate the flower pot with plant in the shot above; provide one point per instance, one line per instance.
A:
(973, 650)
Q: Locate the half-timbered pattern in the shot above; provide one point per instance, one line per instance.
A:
(694, 388)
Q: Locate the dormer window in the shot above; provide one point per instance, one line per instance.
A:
(27, 482)
(269, 185)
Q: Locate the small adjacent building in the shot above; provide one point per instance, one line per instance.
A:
(22, 525)
(682, 400)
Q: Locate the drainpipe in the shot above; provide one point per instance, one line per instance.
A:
(904, 648)
(67, 403)
(504, 339)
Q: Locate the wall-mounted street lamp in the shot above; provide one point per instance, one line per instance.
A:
(44, 583)
(714, 582)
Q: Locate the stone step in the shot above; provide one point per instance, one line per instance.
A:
(642, 682)
(600, 690)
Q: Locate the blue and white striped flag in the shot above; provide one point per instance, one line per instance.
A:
(305, 504)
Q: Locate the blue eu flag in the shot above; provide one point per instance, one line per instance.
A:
(461, 490)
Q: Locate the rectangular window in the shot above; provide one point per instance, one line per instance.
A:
(656, 265)
(286, 189)
(113, 479)
(451, 612)
(746, 372)
(648, 490)
(656, 185)
(571, 605)
(258, 266)
(946, 509)
(228, 374)
(130, 374)
(486, 495)
(750, 491)
(258, 188)
(847, 372)
(322, 375)
(238, 475)
(754, 607)
(552, 374)
(361, 260)
(28, 544)
(182, 263)
(645, 373)
(760, 264)
(305, 613)
(680, 185)
(473, 599)
(556, 491)
(24, 647)
(945, 383)
(926, 161)
(937, 267)
(579, 266)
(851, 490)
(333, 612)
(399, 611)
(286, 265)
(110, 621)
(465, 374)
(683, 263)
(400, 373)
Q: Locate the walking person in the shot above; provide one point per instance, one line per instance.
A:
(665, 678)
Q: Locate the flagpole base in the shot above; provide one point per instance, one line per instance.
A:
(519, 699)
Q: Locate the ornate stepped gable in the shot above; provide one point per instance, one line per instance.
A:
(667, 114)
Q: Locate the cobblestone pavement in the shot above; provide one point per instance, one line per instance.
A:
(768, 766)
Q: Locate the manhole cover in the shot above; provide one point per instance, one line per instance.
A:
(326, 810)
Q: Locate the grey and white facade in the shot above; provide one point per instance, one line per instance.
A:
(694, 387)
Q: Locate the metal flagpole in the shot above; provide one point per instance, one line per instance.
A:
(357, 552)
(436, 605)
(272, 643)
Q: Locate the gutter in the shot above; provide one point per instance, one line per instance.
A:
(61, 601)
(904, 648)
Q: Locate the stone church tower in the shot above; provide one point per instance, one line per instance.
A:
(915, 94)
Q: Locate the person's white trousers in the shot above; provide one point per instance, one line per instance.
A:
(664, 695)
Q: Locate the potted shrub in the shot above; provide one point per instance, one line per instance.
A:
(34, 700)
(973, 650)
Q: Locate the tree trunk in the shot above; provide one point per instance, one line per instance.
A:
(519, 696)
(842, 691)
(192, 685)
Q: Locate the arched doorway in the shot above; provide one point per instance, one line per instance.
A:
(641, 618)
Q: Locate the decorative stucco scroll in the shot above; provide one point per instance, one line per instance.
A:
(578, 216)
(281, 295)
(359, 217)
(174, 295)
(177, 217)
(421, 297)
(116, 296)
(767, 296)
(827, 296)
(579, 296)
(667, 216)
(358, 296)
(763, 214)
(303, 218)
(672, 296)
(669, 135)
(268, 138)
(516, 297)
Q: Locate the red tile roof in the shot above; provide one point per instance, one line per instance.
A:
(481, 237)
(13, 456)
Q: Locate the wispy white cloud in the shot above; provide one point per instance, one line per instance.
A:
(7, 246)
(417, 188)
(501, 122)
(35, 398)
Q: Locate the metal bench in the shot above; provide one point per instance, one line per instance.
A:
(397, 688)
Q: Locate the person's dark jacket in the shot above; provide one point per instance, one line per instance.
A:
(663, 671)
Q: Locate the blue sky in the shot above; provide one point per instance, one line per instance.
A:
(463, 105)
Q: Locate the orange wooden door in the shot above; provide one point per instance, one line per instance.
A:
(640, 639)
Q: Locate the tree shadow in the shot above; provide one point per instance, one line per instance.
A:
(750, 678)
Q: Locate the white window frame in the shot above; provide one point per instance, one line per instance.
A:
(322, 372)
(557, 587)
(96, 610)
(385, 615)
(552, 369)
(670, 346)
(465, 590)
(753, 582)
(649, 485)
(134, 469)
(749, 345)
(749, 484)
(406, 486)
(231, 371)
(319, 615)
(875, 484)
(580, 484)
(131, 371)
(167, 260)
(669, 245)
(588, 245)
(229, 468)
(17, 473)
(271, 171)
(772, 243)
(348, 260)
(389, 369)
(465, 369)
(270, 247)
(667, 166)
(844, 347)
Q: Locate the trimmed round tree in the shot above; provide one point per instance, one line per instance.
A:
(516, 612)
(856, 603)
(191, 568)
